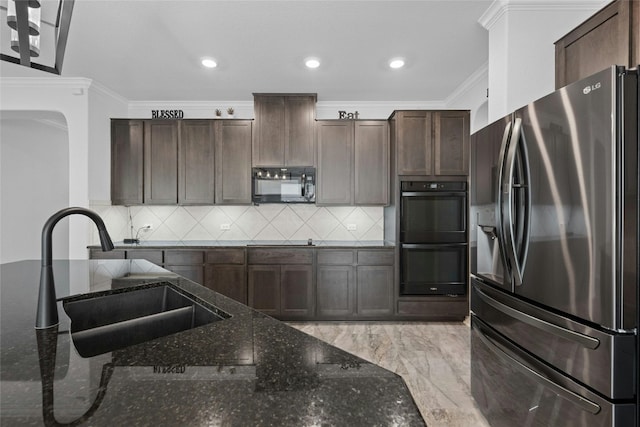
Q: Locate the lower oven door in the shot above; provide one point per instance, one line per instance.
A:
(439, 269)
(513, 388)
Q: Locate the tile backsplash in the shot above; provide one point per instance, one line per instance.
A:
(264, 222)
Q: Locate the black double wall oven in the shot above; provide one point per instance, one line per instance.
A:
(433, 238)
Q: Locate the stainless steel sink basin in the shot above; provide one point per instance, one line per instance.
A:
(108, 322)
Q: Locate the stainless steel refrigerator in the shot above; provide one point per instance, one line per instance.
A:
(554, 258)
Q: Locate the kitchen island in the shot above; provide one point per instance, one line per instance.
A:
(248, 369)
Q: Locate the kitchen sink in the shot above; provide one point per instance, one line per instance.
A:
(108, 322)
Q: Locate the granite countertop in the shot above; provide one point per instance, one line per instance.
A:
(249, 369)
(204, 244)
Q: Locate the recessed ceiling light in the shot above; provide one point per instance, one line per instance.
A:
(396, 63)
(209, 63)
(312, 63)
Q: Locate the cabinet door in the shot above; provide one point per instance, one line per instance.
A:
(371, 167)
(127, 141)
(268, 143)
(610, 36)
(161, 162)
(233, 162)
(264, 288)
(451, 140)
(195, 163)
(229, 280)
(296, 291)
(194, 273)
(335, 291)
(414, 148)
(375, 290)
(335, 160)
(299, 127)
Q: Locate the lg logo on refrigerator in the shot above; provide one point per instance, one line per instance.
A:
(587, 90)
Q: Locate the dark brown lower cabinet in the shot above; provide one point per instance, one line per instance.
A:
(335, 291)
(194, 273)
(282, 291)
(280, 282)
(226, 272)
(355, 284)
(186, 262)
(296, 291)
(100, 254)
(229, 280)
(375, 290)
(434, 308)
(264, 288)
(155, 256)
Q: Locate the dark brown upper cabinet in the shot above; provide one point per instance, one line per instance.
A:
(353, 162)
(611, 36)
(451, 142)
(371, 160)
(233, 161)
(196, 163)
(335, 162)
(163, 162)
(284, 129)
(431, 143)
(160, 162)
(127, 183)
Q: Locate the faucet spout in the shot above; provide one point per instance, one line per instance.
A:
(47, 313)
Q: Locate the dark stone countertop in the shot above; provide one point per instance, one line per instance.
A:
(206, 244)
(249, 369)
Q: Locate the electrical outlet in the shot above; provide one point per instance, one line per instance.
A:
(352, 227)
(225, 226)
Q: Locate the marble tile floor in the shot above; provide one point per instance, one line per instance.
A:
(432, 358)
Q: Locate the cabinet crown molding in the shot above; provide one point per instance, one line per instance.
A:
(500, 7)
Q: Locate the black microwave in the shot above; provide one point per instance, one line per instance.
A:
(283, 185)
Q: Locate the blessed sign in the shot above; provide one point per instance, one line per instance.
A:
(167, 114)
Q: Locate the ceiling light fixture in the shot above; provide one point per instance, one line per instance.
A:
(209, 63)
(396, 63)
(312, 63)
(28, 36)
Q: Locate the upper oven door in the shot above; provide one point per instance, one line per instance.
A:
(436, 215)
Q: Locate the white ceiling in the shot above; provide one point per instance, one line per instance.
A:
(150, 50)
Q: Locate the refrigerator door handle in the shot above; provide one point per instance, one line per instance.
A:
(499, 216)
(517, 216)
(584, 340)
(580, 401)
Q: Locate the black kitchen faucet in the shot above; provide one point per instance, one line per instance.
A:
(47, 314)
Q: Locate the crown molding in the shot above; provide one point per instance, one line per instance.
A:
(63, 82)
(396, 105)
(103, 90)
(189, 104)
(499, 7)
(471, 82)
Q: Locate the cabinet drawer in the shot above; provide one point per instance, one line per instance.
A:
(375, 257)
(225, 256)
(100, 254)
(331, 257)
(183, 257)
(151, 255)
(280, 256)
(454, 307)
